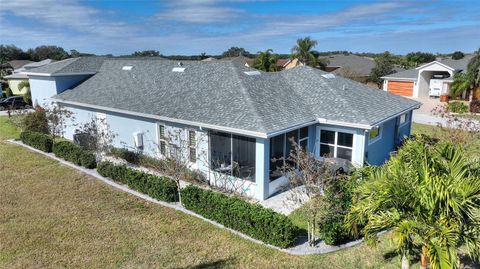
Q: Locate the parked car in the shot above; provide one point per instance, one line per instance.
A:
(13, 102)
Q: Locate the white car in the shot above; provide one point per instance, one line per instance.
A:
(434, 92)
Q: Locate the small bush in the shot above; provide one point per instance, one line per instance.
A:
(127, 155)
(475, 106)
(37, 140)
(161, 188)
(36, 121)
(75, 154)
(457, 107)
(254, 220)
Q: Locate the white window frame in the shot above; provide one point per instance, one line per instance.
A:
(406, 119)
(336, 146)
(378, 137)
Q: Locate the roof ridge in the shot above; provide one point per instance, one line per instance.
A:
(247, 96)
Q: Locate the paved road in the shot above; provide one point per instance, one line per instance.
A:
(5, 112)
(429, 119)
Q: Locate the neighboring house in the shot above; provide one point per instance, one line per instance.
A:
(431, 79)
(237, 120)
(18, 76)
(285, 64)
(349, 66)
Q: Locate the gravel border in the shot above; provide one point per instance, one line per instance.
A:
(301, 249)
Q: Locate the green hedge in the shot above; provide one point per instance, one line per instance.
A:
(37, 140)
(457, 107)
(254, 220)
(74, 153)
(161, 188)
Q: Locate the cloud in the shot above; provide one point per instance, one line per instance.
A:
(68, 14)
(199, 11)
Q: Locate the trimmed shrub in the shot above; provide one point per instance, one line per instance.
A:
(457, 107)
(161, 188)
(36, 121)
(74, 153)
(37, 140)
(127, 155)
(254, 220)
(475, 106)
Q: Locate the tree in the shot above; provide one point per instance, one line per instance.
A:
(457, 55)
(146, 53)
(96, 135)
(303, 51)
(47, 52)
(429, 197)
(235, 52)
(36, 121)
(266, 61)
(11, 52)
(203, 55)
(58, 119)
(384, 65)
(468, 80)
(414, 59)
(306, 186)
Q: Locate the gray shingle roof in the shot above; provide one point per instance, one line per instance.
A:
(220, 93)
(350, 63)
(71, 65)
(410, 74)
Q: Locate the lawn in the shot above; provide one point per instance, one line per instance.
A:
(54, 216)
(472, 148)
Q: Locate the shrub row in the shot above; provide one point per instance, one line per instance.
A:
(254, 220)
(74, 153)
(161, 188)
(37, 140)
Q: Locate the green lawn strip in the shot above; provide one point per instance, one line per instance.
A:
(8, 130)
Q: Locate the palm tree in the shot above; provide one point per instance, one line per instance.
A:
(468, 80)
(429, 196)
(304, 52)
(266, 61)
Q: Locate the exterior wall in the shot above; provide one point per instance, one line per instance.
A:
(42, 88)
(378, 151)
(13, 85)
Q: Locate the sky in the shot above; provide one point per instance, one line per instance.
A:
(191, 27)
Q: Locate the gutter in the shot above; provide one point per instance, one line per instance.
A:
(168, 119)
(58, 74)
(417, 106)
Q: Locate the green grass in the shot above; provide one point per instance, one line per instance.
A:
(471, 148)
(54, 216)
(7, 130)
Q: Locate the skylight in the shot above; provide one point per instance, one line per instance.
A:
(178, 69)
(253, 73)
(127, 67)
(328, 75)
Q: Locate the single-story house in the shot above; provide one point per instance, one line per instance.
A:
(431, 79)
(237, 120)
(18, 76)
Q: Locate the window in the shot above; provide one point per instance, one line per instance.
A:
(233, 155)
(336, 144)
(374, 134)
(192, 145)
(403, 119)
(281, 148)
(162, 141)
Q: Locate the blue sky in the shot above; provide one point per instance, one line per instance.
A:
(212, 26)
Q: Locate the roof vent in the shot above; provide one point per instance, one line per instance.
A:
(252, 73)
(127, 67)
(178, 69)
(329, 75)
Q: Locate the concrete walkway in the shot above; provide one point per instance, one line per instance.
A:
(426, 118)
(301, 247)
